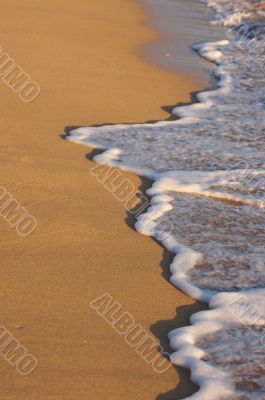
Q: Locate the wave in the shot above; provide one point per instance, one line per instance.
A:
(208, 203)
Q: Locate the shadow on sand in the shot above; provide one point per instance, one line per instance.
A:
(160, 329)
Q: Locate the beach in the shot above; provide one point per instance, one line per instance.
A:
(207, 199)
(85, 56)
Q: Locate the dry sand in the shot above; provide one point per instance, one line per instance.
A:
(84, 55)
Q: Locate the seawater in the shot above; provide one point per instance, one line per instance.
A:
(209, 195)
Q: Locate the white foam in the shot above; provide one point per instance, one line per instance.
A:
(213, 381)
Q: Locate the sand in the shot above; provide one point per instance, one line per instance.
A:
(85, 57)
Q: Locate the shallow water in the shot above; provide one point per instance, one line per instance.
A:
(181, 23)
(209, 196)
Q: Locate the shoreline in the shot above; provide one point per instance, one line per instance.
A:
(189, 344)
(51, 277)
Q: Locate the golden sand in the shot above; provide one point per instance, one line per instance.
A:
(84, 56)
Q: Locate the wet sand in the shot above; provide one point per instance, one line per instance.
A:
(181, 23)
(85, 57)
